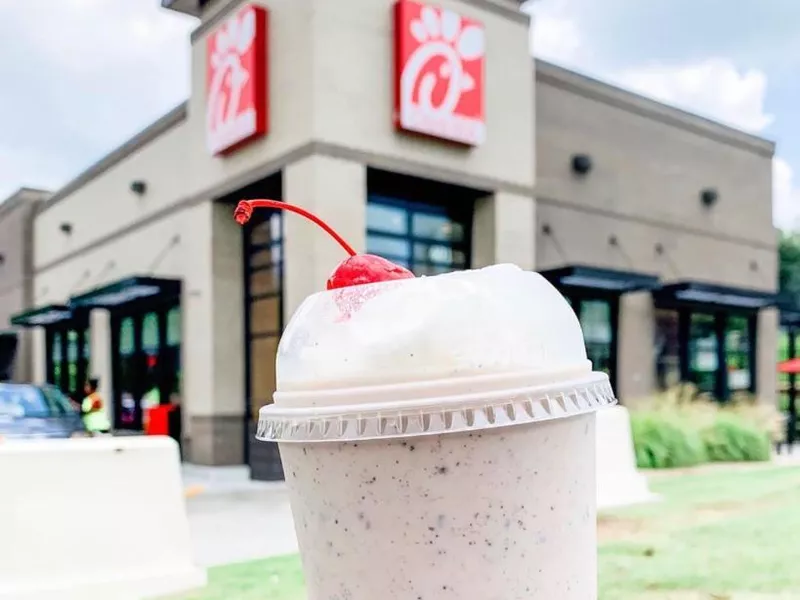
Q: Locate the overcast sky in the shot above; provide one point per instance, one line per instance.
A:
(82, 76)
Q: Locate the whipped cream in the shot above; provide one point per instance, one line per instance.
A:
(495, 320)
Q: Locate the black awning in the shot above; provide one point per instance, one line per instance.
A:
(698, 293)
(127, 291)
(605, 280)
(49, 314)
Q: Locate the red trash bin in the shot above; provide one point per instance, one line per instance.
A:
(156, 419)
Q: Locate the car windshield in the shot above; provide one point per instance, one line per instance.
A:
(22, 401)
(57, 402)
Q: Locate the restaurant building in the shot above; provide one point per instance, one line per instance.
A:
(421, 132)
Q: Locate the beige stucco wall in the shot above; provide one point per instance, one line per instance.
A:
(335, 190)
(106, 205)
(650, 161)
(504, 231)
(639, 208)
(353, 106)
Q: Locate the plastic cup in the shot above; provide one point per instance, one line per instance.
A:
(473, 487)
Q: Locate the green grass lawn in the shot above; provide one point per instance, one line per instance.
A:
(721, 533)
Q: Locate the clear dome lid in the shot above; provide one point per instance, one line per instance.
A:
(483, 322)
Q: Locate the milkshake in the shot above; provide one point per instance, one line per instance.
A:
(438, 439)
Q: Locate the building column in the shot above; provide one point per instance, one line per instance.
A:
(635, 348)
(100, 356)
(336, 191)
(504, 231)
(22, 370)
(38, 340)
(767, 356)
(213, 336)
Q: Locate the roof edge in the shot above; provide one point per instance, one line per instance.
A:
(620, 97)
(24, 195)
(141, 139)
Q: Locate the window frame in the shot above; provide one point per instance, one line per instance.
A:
(455, 213)
(721, 392)
(82, 328)
(576, 297)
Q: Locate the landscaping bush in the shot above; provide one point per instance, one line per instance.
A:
(680, 429)
(732, 438)
(662, 441)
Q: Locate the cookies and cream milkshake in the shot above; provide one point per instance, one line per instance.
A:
(438, 438)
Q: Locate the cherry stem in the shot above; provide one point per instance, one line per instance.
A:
(244, 210)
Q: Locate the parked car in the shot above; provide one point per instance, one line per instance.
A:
(32, 411)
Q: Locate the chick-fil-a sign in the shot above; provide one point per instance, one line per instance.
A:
(439, 73)
(236, 80)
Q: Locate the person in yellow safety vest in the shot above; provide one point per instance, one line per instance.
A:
(94, 415)
(152, 398)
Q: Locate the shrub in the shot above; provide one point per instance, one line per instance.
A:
(681, 429)
(662, 440)
(732, 438)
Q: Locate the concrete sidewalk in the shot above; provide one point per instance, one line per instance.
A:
(234, 519)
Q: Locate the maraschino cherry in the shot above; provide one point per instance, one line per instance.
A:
(357, 269)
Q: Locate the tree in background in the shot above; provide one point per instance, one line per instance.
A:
(789, 266)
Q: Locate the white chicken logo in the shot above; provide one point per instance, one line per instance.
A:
(225, 123)
(440, 33)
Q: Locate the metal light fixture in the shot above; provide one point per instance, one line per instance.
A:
(709, 197)
(139, 187)
(581, 164)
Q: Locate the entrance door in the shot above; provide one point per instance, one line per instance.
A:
(263, 326)
(68, 358)
(144, 365)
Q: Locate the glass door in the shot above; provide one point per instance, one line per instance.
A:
(151, 347)
(68, 355)
(145, 363)
(598, 317)
(126, 415)
(171, 356)
(739, 354)
(595, 318)
(704, 353)
(263, 325)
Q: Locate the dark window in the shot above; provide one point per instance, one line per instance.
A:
(595, 318)
(68, 357)
(703, 352)
(598, 318)
(738, 354)
(173, 353)
(667, 348)
(714, 350)
(429, 239)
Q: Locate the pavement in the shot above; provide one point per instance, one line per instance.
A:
(233, 519)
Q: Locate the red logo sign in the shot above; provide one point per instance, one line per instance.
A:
(236, 80)
(439, 73)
